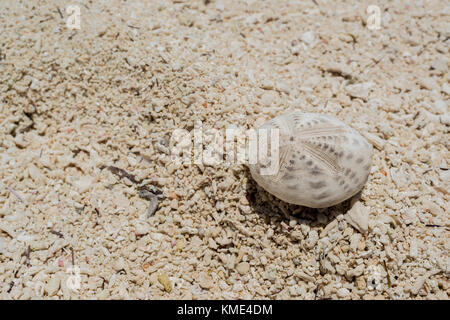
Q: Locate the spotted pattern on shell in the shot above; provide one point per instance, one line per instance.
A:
(322, 161)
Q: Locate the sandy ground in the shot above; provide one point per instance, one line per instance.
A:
(86, 118)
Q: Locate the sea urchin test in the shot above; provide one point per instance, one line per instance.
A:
(321, 160)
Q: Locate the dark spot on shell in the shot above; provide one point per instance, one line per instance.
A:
(292, 187)
(359, 160)
(321, 196)
(317, 185)
(291, 138)
(309, 163)
(325, 146)
(352, 175)
(349, 156)
(355, 142)
(342, 182)
(288, 176)
(347, 171)
(316, 172)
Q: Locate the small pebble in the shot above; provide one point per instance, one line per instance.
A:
(263, 260)
(343, 293)
(243, 268)
(446, 88)
(52, 286)
(308, 38)
(164, 280)
(358, 217)
(312, 239)
(361, 283)
(440, 107)
(359, 90)
(83, 184)
(205, 281)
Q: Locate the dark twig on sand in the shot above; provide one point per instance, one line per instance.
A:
(72, 35)
(153, 206)
(59, 234)
(11, 285)
(120, 173)
(60, 13)
(27, 255)
(46, 19)
(152, 197)
(151, 194)
(77, 150)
